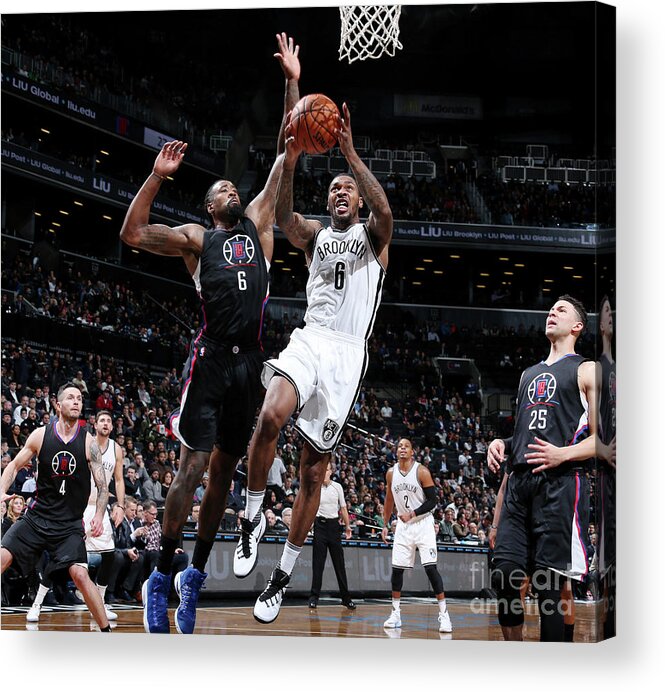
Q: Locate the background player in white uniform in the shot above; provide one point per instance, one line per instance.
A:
(105, 543)
(410, 490)
(321, 369)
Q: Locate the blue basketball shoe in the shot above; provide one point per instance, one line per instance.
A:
(187, 585)
(155, 593)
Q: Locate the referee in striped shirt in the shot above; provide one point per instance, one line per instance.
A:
(327, 538)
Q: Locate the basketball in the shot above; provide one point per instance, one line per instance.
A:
(315, 118)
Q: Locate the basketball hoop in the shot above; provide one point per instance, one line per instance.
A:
(369, 31)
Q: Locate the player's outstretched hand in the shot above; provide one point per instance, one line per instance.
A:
(287, 54)
(169, 158)
(496, 454)
(545, 455)
(343, 132)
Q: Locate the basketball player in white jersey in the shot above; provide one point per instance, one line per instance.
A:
(410, 490)
(321, 370)
(103, 544)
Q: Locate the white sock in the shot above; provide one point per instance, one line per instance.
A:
(102, 591)
(396, 604)
(442, 606)
(289, 557)
(41, 595)
(254, 503)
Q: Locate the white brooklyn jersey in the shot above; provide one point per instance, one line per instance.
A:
(345, 280)
(407, 491)
(108, 464)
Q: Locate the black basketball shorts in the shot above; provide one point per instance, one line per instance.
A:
(220, 395)
(606, 544)
(65, 544)
(544, 523)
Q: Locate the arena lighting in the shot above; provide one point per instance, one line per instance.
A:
(55, 223)
(519, 265)
(64, 213)
(481, 286)
(577, 276)
(570, 268)
(419, 269)
(504, 259)
(78, 204)
(101, 151)
(428, 260)
(38, 213)
(278, 261)
(108, 218)
(136, 252)
(438, 271)
(45, 131)
(294, 254)
(546, 290)
(548, 281)
(454, 257)
(286, 269)
(417, 283)
(509, 273)
(484, 274)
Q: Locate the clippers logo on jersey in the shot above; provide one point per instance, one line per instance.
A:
(63, 464)
(239, 250)
(542, 388)
(330, 429)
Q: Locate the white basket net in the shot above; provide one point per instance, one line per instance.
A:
(369, 31)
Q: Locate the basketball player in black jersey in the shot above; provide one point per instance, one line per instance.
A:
(542, 528)
(67, 455)
(606, 544)
(221, 379)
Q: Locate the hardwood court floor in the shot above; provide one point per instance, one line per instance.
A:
(471, 619)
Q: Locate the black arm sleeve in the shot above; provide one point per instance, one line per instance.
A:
(430, 501)
(508, 441)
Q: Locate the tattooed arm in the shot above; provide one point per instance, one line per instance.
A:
(99, 479)
(380, 222)
(160, 239)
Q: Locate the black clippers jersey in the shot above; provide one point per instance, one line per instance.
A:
(232, 282)
(551, 407)
(608, 400)
(63, 479)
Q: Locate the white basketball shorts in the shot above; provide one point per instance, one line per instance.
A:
(414, 534)
(102, 543)
(326, 368)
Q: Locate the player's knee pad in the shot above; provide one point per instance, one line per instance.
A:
(507, 578)
(397, 579)
(434, 578)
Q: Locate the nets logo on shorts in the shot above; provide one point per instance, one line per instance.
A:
(239, 249)
(542, 388)
(330, 429)
(63, 464)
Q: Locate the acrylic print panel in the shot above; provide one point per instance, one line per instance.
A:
(495, 152)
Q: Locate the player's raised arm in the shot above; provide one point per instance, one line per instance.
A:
(160, 239)
(287, 54)
(261, 210)
(299, 231)
(99, 479)
(31, 447)
(380, 222)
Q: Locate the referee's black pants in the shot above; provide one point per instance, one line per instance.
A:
(327, 537)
